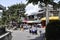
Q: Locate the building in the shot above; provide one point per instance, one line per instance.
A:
(36, 15)
(2, 8)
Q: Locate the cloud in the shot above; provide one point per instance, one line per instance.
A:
(31, 9)
(1, 10)
(56, 1)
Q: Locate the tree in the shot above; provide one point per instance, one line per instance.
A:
(4, 19)
(46, 2)
(13, 12)
(54, 5)
(58, 4)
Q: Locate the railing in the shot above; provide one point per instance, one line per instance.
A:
(6, 36)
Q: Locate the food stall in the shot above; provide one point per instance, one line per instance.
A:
(52, 18)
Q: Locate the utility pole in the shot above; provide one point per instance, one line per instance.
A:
(47, 15)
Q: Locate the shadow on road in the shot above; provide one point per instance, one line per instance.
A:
(41, 37)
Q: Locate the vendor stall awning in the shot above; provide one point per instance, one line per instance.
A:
(35, 21)
(50, 18)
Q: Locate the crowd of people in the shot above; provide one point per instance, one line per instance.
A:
(32, 28)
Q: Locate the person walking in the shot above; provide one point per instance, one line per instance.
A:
(34, 30)
(42, 33)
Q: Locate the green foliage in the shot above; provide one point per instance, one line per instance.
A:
(41, 1)
(13, 13)
(58, 5)
(46, 2)
(53, 30)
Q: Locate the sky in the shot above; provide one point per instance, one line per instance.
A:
(56, 1)
(29, 8)
(7, 3)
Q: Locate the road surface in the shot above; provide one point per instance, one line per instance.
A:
(23, 35)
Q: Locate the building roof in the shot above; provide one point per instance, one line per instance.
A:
(35, 13)
(2, 7)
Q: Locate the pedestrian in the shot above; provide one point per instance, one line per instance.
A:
(34, 30)
(42, 33)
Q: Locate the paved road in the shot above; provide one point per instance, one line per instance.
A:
(22, 35)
